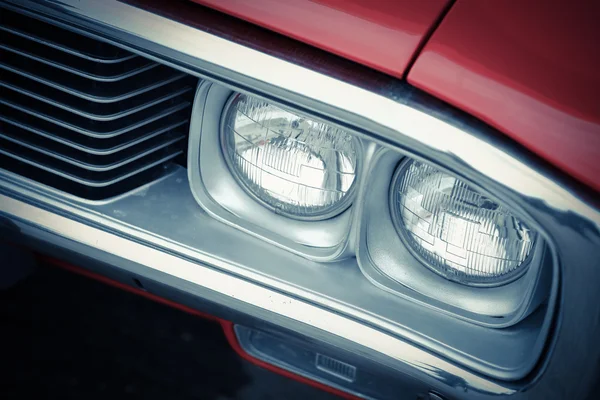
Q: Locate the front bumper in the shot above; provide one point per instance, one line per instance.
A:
(195, 280)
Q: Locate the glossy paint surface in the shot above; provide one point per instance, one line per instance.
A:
(530, 71)
(381, 34)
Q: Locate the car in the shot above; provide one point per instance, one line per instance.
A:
(383, 199)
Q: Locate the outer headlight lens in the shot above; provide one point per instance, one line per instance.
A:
(456, 231)
(297, 166)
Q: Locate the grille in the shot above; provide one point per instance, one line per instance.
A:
(84, 116)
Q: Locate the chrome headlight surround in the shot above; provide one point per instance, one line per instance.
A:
(388, 262)
(218, 190)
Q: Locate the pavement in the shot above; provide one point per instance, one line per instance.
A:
(65, 336)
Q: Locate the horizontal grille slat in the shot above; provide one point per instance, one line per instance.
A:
(18, 46)
(66, 49)
(83, 190)
(86, 160)
(92, 110)
(85, 88)
(84, 116)
(79, 175)
(105, 146)
(61, 39)
(84, 126)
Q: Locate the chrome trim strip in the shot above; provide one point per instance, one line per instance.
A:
(104, 135)
(87, 182)
(97, 117)
(66, 49)
(97, 78)
(276, 303)
(94, 167)
(98, 152)
(89, 97)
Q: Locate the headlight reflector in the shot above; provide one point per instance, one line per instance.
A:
(456, 231)
(299, 167)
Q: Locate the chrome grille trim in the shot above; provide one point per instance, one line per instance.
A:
(113, 111)
(94, 117)
(83, 74)
(66, 49)
(82, 46)
(91, 150)
(95, 134)
(158, 81)
(165, 142)
(87, 182)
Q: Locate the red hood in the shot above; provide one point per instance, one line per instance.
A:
(383, 35)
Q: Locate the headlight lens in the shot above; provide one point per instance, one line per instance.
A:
(297, 166)
(456, 231)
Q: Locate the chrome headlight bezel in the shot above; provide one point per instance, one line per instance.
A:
(389, 264)
(219, 193)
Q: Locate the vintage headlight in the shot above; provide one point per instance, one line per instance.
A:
(456, 231)
(297, 166)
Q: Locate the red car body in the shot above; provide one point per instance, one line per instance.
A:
(528, 71)
(384, 35)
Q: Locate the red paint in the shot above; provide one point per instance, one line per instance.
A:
(383, 34)
(530, 70)
(226, 325)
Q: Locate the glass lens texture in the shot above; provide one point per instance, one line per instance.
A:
(456, 231)
(299, 167)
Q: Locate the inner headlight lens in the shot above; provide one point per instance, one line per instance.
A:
(456, 231)
(297, 166)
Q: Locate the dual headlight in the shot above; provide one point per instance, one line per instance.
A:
(330, 195)
(305, 169)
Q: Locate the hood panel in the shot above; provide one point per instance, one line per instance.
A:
(531, 71)
(382, 35)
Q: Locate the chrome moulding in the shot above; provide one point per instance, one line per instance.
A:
(374, 107)
(216, 189)
(83, 115)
